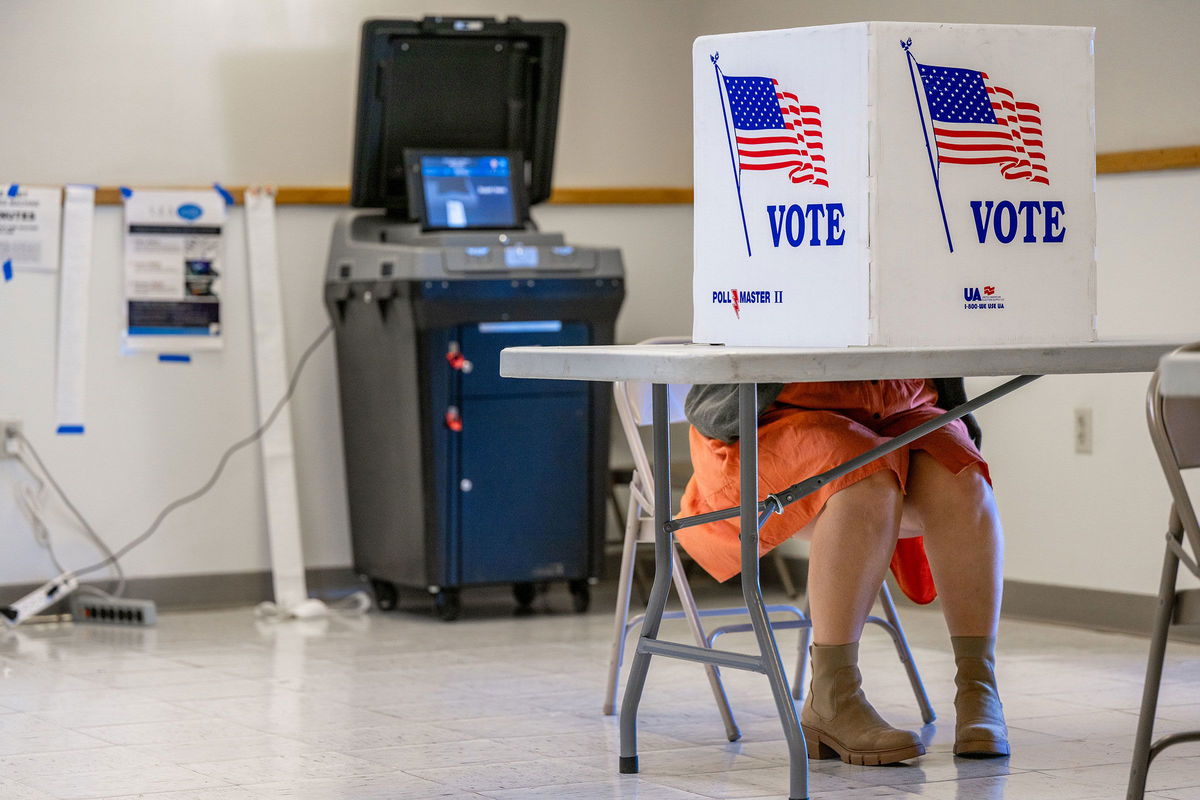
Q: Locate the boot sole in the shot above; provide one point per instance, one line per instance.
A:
(981, 749)
(822, 746)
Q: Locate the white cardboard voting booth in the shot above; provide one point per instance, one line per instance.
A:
(895, 184)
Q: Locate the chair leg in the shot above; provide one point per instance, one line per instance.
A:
(785, 574)
(1140, 765)
(621, 618)
(616, 504)
(905, 653)
(802, 656)
(714, 675)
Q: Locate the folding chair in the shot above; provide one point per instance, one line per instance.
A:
(633, 409)
(1173, 414)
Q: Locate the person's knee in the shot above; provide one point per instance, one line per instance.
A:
(966, 497)
(876, 499)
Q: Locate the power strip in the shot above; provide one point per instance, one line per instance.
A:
(113, 610)
(39, 599)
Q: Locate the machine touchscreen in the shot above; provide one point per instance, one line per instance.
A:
(466, 190)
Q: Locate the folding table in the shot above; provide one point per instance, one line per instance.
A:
(662, 365)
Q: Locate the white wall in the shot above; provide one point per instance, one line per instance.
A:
(179, 92)
(1097, 520)
(165, 92)
(156, 430)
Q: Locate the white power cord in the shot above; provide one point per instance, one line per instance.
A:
(30, 501)
(29, 498)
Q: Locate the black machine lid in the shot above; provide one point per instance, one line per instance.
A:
(454, 83)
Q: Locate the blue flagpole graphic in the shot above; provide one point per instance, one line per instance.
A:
(737, 179)
(937, 186)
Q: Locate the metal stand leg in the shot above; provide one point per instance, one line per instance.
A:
(802, 656)
(1142, 753)
(621, 621)
(905, 653)
(752, 592)
(692, 614)
(662, 580)
(785, 575)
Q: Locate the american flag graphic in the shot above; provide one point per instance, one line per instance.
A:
(774, 131)
(977, 122)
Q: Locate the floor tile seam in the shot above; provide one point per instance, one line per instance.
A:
(25, 781)
(232, 740)
(504, 761)
(1191, 785)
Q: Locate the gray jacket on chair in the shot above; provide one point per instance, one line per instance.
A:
(713, 408)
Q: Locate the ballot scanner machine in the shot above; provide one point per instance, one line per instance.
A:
(457, 477)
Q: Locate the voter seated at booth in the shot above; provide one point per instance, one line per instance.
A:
(938, 489)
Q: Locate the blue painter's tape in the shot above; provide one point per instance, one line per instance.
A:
(175, 358)
(225, 195)
(126, 192)
(8, 270)
(70, 429)
(12, 190)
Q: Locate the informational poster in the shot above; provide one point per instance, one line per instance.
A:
(174, 257)
(30, 217)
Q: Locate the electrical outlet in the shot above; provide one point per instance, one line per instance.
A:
(1083, 430)
(9, 429)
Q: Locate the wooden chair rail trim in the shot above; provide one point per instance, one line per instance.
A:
(1106, 164)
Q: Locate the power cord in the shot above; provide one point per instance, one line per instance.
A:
(113, 559)
(31, 503)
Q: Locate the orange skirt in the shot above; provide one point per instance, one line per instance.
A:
(811, 428)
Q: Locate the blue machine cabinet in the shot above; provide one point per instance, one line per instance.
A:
(457, 477)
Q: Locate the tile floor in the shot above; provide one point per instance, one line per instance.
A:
(220, 706)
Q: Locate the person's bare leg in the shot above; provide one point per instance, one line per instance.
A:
(964, 543)
(963, 540)
(853, 540)
(852, 544)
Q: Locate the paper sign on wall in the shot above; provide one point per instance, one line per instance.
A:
(174, 256)
(78, 222)
(29, 228)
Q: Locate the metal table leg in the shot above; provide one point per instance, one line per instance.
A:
(752, 591)
(662, 580)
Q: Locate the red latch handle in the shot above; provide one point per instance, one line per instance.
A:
(455, 359)
(454, 419)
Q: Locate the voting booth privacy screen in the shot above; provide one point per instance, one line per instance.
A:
(895, 184)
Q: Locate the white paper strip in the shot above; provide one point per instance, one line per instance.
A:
(270, 368)
(78, 216)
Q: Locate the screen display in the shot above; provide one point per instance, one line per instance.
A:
(468, 191)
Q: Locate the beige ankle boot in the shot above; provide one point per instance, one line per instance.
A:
(979, 729)
(838, 721)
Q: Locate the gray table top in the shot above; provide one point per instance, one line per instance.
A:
(699, 363)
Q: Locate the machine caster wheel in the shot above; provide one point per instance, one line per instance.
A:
(581, 596)
(524, 594)
(385, 594)
(446, 603)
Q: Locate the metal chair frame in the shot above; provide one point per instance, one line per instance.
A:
(1174, 424)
